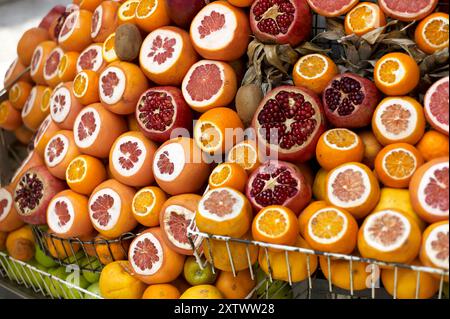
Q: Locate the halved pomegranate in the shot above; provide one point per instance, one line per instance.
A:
(349, 101)
(289, 122)
(160, 111)
(281, 21)
(278, 183)
(33, 192)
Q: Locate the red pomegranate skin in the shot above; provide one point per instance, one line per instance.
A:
(50, 187)
(298, 31)
(51, 16)
(362, 114)
(182, 12)
(288, 179)
(307, 151)
(183, 114)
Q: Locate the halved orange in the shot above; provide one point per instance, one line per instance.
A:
(18, 94)
(85, 87)
(9, 117)
(396, 164)
(245, 154)
(224, 211)
(398, 120)
(51, 66)
(364, 18)
(43, 134)
(434, 250)
(67, 68)
(64, 107)
(104, 20)
(127, 11)
(89, 4)
(314, 71)
(338, 146)
(40, 55)
(209, 84)
(45, 100)
(147, 204)
(431, 33)
(85, 173)
(275, 225)
(166, 55)
(76, 30)
(59, 152)
(32, 113)
(218, 130)
(152, 14)
(228, 175)
(396, 74)
(91, 58)
(108, 50)
(332, 229)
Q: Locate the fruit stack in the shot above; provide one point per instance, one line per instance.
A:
(326, 160)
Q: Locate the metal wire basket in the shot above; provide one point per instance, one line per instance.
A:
(41, 282)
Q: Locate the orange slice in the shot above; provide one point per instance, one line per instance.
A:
(339, 146)
(218, 130)
(396, 74)
(364, 18)
(147, 204)
(228, 175)
(398, 120)
(85, 87)
(152, 14)
(127, 11)
(432, 33)
(314, 71)
(85, 173)
(108, 50)
(18, 94)
(246, 155)
(276, 225)
(396, 164)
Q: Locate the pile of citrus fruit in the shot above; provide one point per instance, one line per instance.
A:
(129, 111)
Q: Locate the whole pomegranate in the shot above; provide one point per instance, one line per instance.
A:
(289, 122)
(349, 101)
(278, 183)
(33, 193)
(160, 111)
(281, 21)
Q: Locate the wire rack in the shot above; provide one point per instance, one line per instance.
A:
(42, 282)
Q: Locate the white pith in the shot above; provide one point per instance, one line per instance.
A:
(155, 5)
(71, 7)
(66, 36)
(5, 194)
(52, 218)
(35, 67)
(217, 39)
(98, 60)
(55, 73)
(412, 121)
(328, 240)
(25, 162)
(117, 90)
(198, 135)
(176, 155)
(280, 211)
(301, 61)
(445, 21)
(410, 154)
(147, 62)
(42, 129)
(217, 170)
(16, 87)
(99, 9)
(237, 207)
(83, 75)
(148, 208)
(59, 117)
(116, 154)
(350, 204)
(399, 74)
(84, 173)
(180, 210)
(11, 69)
(345, 148)
(409, 15)
(427, 103)
(186, 79)
(58, 159)
(423, 184)
(30, 102)
(160, 253)
(431, 252)
(90, 139)
(114, 211)
(370, 220)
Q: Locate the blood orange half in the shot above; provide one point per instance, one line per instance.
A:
(436, 105)
(91, 58)
(408, 10)
(434, 251)
(334, 8)
(64, 107)
(51, 66)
